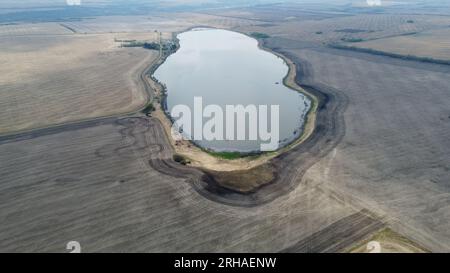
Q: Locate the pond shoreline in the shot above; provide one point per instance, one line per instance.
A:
(223, 161)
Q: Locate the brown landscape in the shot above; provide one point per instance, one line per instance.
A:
(414, 44)
(81, 158)
(72, 77)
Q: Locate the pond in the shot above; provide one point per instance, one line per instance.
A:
(228, 68)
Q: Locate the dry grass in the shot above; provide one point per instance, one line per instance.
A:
(365, 27)
(33, 29)
(55, 79)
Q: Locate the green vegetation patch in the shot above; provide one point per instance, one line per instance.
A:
(168, 46)
(259, 35)
(228, 155)
(146, 45)
(181, 159)
(148, 109)
(350, 30)
(352, 40)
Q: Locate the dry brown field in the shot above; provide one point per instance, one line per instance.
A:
(50, 79)
(165, 22)
(102, 192)
(433, 44)
(341, 28)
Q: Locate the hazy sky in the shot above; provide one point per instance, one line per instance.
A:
(42, 3)
(37, 3)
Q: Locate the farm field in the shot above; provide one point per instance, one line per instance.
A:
(389, 242)
(50, 79)
(16, 29)
(434, 44)
(165, 22)
(79, 161)
(394, 155)
(102, 191)
(340, 29)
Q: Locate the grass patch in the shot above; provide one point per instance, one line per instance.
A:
(134, 43)
(148, 109)
(227, 155)
(352, 40)
(259, 35)
(350, 30)
(167, 46)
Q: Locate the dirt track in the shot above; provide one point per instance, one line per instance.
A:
(334, 238)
